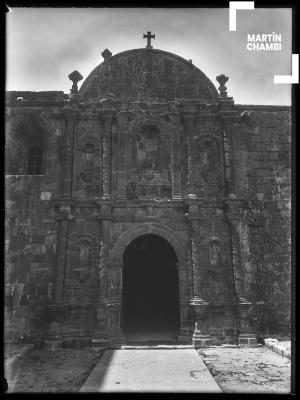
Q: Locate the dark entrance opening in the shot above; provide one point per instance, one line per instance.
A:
(150, 287)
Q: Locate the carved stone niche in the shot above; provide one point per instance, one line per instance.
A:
(87, 170)
(149, 174)
(214, 257)
(207, 160)
(82, 259)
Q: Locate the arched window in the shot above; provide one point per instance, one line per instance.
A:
(35, 161)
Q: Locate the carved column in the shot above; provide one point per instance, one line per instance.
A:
(106, 154)
(195, 266)
(228, 164)
(114, 158)
(199, 305)
(113, 304)
(176, 181)
(197, 283)
(236, 216)
(123, 135)
(100, 337)
(189, 127)
(228, 116)
(101, 333)
(71, 117)
(64, 201)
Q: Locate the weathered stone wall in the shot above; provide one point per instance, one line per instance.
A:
(63, 226)
(263, 176)
(30, 228)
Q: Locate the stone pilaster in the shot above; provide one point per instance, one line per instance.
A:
(236, 214)
(176, 181)
(101, 334)
(123, 135)
(63, 203)
(114, 304)
(71, 118)
(228, 164)
(106, 153)
(227, 115)
(199, 305)
(189, 127)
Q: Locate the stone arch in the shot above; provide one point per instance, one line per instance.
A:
(211, 238)
(116, 258)
(26, 132)
(17, 117)
(138, 123)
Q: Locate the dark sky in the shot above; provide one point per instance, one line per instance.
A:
(45, 44)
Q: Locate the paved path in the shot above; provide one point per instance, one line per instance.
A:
(151, 370)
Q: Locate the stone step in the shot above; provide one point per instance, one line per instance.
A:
(157, 347)
(150, 343)
(99, 343)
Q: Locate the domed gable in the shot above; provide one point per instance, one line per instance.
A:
(148, 75)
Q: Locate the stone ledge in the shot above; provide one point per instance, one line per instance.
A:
(275, 345)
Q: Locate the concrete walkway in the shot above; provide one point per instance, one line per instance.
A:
(151, 370)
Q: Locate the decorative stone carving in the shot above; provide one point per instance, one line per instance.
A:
(214, 251)
(84, 259)
(105, 168)
(87, 166)
(106, 54)
(228, 157)
(222, 79)
(206, 160)
(75, 77)
(149, 167)
(81, 259)
(189, 126)
(196, 272)
(102, 259)
(169, 77)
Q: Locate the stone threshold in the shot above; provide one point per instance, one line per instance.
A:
(278, 348)
(157, 347)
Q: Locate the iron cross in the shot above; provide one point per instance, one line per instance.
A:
(148, 37)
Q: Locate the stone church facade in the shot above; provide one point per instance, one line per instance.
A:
(148, 154)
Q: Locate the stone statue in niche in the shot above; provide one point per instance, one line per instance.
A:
(87, 164)
(207, 157)
(214, 259)
(148, 148)
(84, 255)
(214, 253)
(149, 165)
(215, 270)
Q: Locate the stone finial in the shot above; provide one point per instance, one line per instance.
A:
(106, 54)
(75, 77)
(222, 79)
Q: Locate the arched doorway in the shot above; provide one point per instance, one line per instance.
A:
(150, 302)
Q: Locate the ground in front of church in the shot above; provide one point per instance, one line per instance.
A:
(234, 369)
(248, 370)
